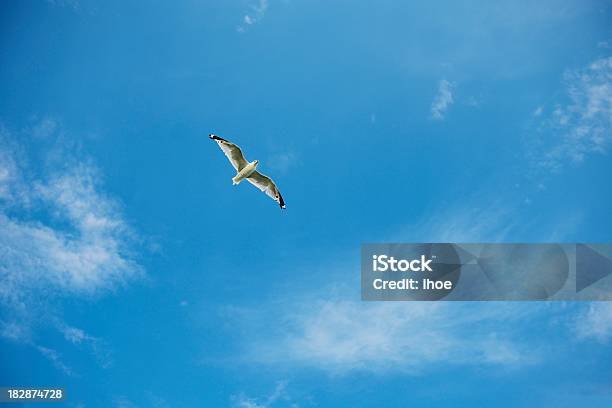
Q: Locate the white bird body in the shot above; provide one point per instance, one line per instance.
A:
(245, 172)
(248, 171)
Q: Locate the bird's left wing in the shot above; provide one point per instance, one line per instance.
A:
(233, 152)
(265, 184)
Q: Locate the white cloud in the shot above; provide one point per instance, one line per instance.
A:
(258, 11)
(156, 401)
(44, 128)
(581, 126)
(55, 359)
(469, 223)
(339, 336)
(596, 322)
(473, 102)
(14, 331)
(75, 335)
(282, 162)
(443, 99)
(316, 328)
(87, 256)
(123, 402)
(278, 395)
(73, 4)
(95, 345)
(60, 235)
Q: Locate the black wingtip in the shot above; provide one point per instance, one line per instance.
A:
(281, 202)
(215, 137)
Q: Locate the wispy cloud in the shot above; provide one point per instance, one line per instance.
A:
(60, 235)
(55, 359)
(257, 13)
(21, 332)
(278, 395)
(283, 162)
(318, 329)
(538, 111)
(86, 256)
(596, 322)
(442, 100)
(492, 222)
(123, 402)
(324, 328)
(474, 102)
(582, 125)
(95, 345)
(44, 128)
(338, 336)
(74, 4)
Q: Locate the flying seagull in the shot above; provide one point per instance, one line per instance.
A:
(248, 170)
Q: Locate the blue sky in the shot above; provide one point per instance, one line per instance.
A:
(134, 274)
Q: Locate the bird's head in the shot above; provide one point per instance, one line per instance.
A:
(256, 162)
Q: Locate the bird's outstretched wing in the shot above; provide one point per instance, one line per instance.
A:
(233, 152)
(265, 184)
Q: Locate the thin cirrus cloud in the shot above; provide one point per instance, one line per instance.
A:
(339, 336)
(86, 257)
(443, 99)
(278, 396)
(60, 235)
(54, 357)
(595, 323)
(94, 345)
(579, 126)
(315, 328)
(257, 13)
(283, 162)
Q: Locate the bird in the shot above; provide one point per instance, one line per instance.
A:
(248, 171)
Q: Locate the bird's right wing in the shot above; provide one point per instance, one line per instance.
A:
(265, 184)
(233, 152)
